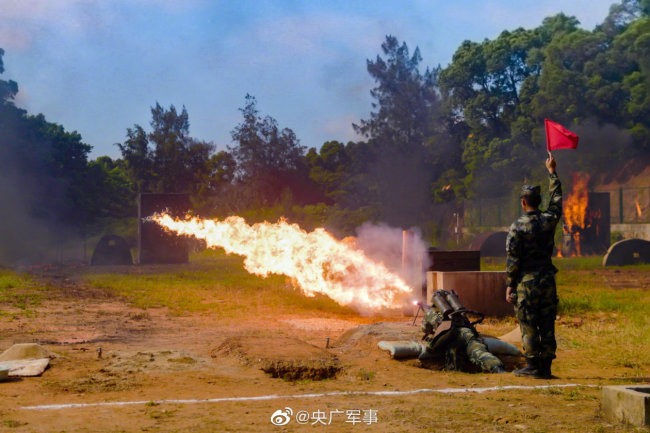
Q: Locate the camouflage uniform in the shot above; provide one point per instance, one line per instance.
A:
(458, 342)
(529, 268)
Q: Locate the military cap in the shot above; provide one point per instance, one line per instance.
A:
(530, 191)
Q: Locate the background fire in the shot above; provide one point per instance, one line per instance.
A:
(586, 218)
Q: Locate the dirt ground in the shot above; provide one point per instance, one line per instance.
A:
(155, 368)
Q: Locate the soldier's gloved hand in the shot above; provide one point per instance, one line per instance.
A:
(510, 295)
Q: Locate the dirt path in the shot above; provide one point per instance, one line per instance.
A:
(150, 355)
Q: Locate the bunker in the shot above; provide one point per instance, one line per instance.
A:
(628, 252)
(490, 244)
(111, 250)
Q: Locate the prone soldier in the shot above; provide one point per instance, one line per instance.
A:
(449, 333)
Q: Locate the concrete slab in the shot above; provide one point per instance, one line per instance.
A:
(25, 367)
(480, 291)
(629, 404)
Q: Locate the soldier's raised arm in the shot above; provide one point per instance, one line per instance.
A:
(555, 188)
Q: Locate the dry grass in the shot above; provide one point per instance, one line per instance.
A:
(604, 312)
(19, 294)
(214, 283)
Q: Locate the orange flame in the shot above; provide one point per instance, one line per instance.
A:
(316, 261)
(575, 209)
(638, 208)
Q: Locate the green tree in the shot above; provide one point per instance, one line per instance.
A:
(406, 100)
(167, 159)
(139, 158)
(8, 89)
(342, 172)
(489, 88)
(111, 194)
(269, 160)
(216, 179)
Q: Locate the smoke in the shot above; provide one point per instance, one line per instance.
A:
(29, 235)
(383, 244)
(403, 181)
(601, 147)
(31, 200)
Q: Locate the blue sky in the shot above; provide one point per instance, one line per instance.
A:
(97, 66)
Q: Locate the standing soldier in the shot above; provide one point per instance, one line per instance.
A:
(531, 275)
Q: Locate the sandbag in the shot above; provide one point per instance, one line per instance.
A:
(512, 337)
(500, 347)
(402, 349)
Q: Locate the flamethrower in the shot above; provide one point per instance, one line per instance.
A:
(450, 307)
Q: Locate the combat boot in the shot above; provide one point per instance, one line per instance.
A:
(530, 370)
(545, 368)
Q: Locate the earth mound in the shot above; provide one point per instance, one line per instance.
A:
(283, 357)
(26, 351)
(364, 338)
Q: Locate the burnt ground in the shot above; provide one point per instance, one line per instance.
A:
(151, 355)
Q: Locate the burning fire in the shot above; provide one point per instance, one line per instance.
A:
(638, 208)
(575, 209)
(316, 261)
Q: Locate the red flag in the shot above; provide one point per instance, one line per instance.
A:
(558, 137)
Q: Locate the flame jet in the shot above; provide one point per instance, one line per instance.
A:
(316, 261)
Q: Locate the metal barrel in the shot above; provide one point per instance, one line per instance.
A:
(455, 303)
(443, 306)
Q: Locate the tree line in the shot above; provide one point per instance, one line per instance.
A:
(434, 135)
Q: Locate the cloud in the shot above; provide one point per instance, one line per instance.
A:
(22, 97)
(14, 38)
(341, 128)
(24, 22)
(506, 15)
(317, 35)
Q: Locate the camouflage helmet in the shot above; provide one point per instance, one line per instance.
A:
(530, 191)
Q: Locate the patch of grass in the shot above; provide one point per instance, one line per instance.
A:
(183, 360)
(610, 305)
(548, 391)
(139, 316)
(493, 263)
(161, 414)
(577, 394)
(365, 375)
(19, 292)
(216, 283)
(12, 423)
